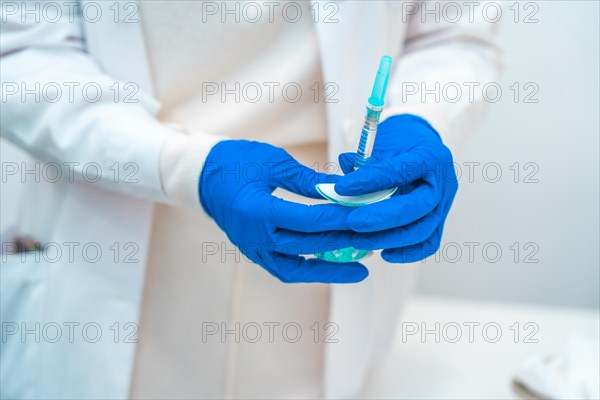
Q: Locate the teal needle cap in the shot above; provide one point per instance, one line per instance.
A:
(381, 81)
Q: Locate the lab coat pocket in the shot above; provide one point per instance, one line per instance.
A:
(22, 291)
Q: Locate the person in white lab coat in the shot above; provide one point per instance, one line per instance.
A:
(171, 270)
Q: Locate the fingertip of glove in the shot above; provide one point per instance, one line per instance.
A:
(364, 274)
(388, 256)
(359, 273)
(397, 256)
(346, 161)
(393, 256)
(344, 187)
(345, 273)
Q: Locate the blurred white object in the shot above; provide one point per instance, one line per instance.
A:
(422, 365)
(572, 373)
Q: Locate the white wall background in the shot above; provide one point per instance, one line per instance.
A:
(560, 134)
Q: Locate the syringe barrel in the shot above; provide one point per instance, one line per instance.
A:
(367, 137)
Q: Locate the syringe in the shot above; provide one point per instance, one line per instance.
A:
(374, 108)
(363, 153)
(367, 140)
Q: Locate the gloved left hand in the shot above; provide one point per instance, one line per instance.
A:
(409, 154)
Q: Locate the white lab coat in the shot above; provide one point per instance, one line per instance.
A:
(110, 212)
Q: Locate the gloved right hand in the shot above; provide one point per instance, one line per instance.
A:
(236, 187)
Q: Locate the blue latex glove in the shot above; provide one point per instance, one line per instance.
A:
(409, 154)
(236, 188)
